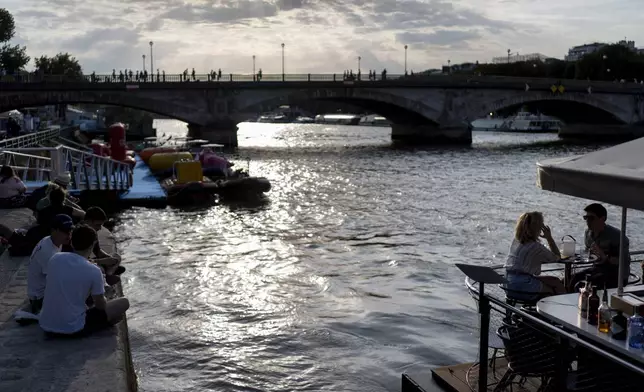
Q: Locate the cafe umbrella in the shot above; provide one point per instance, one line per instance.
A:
(613, 175)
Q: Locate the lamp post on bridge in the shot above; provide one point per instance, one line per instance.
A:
(151, 58)
(283, 76)
(254, 67)
(143, 63)
(509, 56)
(405, 59)
(359, 59)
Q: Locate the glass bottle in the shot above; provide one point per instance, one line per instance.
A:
(593, 307)
(604, 313)
(636, 330)
(584, 293)
(618, 326)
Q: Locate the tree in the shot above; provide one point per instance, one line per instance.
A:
(12, 58)
(7, 25)
(63, 64)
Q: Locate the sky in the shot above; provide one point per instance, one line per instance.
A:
(320, 36)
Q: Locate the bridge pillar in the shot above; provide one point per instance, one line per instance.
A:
(430, 134)
(599, 132)
(221, 133)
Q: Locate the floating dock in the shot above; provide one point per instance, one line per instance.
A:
(146, 190)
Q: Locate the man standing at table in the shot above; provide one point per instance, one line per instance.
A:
(603, 241)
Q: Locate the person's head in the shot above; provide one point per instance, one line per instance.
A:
(57, 197)
(6, 172)
(83, 240)
(61, 229)
(528, 227)
(595, 216)
(63, 180)
(95, 217)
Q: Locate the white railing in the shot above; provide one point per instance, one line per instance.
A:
(31, 139)
(88, 171)
(28, 167)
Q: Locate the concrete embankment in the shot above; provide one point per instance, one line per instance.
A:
(31, 362)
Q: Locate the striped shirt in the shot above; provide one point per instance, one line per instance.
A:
(527, 258)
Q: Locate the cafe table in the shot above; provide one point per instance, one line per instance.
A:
(563, 310)
(578, 259)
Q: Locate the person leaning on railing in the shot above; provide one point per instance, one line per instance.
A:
(527, 255)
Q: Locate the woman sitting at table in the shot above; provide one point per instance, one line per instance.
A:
(527, 254)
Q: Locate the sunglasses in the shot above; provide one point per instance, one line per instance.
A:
(589, 218)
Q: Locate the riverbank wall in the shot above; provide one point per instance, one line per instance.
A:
(31, 362)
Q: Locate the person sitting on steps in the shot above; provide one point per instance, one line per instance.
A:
(95, 217)
(61, 229)
(39, 198)
(71, 278)
(12, 189)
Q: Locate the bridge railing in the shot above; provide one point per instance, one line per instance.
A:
(88, 171)
(31, 139)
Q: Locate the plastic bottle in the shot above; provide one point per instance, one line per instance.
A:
(636, 331)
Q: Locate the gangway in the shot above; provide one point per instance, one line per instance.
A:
(30, 139)
(36, 165)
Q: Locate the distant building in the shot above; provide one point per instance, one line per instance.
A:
(516, 58)
(580, 51)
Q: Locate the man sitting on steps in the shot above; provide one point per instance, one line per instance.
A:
(71, 278)
(61, 229)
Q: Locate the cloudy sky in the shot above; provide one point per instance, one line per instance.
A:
(320, 36)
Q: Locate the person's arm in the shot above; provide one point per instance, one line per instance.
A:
(98, 289)
(20, 186)
(78, 213)
(547, 234)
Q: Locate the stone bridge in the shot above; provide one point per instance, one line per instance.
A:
(429, 110)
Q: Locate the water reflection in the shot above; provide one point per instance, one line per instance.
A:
(344, 277)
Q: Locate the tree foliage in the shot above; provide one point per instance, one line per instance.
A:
(609, 63)
(13, 58)
(7, 25)
(60, 64)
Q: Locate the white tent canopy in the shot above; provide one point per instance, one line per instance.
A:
(613, 175)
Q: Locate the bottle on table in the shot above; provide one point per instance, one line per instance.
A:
(618, 326)
(604, 313)
(636, 330)
(584, 293)
(593, 307)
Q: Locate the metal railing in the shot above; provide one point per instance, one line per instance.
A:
(31, 139)
(538, 354)
(305, 77)
(27, 166)
(88, 171)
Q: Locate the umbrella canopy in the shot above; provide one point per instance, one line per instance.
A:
(613, 175)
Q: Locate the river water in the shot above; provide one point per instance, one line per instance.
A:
(345, 279)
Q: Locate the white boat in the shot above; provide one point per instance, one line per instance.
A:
(338, 119)
(528, 122)
(373, 120)
(523, 121)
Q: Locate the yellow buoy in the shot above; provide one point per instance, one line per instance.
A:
(163, 161)
(188, 171)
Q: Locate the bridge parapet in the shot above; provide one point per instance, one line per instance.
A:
(88, 171)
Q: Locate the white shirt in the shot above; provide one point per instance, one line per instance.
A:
(38, 267)
(527, 258)
(70, 280)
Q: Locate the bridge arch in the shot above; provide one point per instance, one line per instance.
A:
(396, 108)
(21, 100)
(577, 108)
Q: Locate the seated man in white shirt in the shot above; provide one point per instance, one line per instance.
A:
(71, 278)
(61, 230)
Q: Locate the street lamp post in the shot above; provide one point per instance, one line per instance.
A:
(509, 56)
(151, 57)
(254, 67)
(449, 67)
(143, 63)
(359, 59)
(405, 59)
(283, 76)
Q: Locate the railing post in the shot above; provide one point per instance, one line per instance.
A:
(57, 162)
(561, 370)
(484, 310)
(309, 77)
(334, 77)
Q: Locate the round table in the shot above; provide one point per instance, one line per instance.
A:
(577, 259)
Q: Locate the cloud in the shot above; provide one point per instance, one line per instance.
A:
(321, 36)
